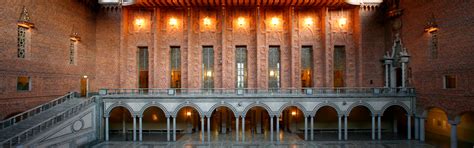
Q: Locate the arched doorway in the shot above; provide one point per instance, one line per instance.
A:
(187, 121)
(223, 124)
(154, 124)
(437, 128)
(465, 130)
(325, 124)
(394, 123)
(359, 124)
(292, 121)
(120, 124)
(257, 121)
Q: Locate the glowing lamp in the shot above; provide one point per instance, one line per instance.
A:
(241, 21)
(173, 21)
(155, 117)
(342, 21)
(431, 29)
(207, 21)
(308, 21)
(139, 22)
(272, 73)
(293, 113)
(275, 21)
(209, 73)
(188, 114)
(85, 76)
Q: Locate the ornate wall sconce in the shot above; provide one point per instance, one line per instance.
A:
(342, 22)
(207, 21)
(139, 22)
(188, 113)
(241, 21)
(74, 36)
(431, 26)
(293, 113)
(275, 21)
(24, 20)
(173, 21)
(308, 21)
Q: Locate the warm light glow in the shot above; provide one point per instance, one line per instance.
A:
(188, 113)
(155, 117)
(308, 21)
(139, 22)
(431, 29)
(293, 113)
(241, 21)
(272, 73)
(209, 73)
(85, 77)
(275, 21)
(342, 21)
(207, 21)
(173, 21)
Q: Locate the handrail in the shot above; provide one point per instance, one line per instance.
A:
(45, 124)
(34, 111)
(315, 91)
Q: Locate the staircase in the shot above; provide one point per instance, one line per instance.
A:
(29, 124)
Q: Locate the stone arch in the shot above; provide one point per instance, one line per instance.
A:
(297, 105)
(187, 104)
(265, 106)
(428, 108)
(119, 104)
(321, 105)
(360, 103)
(224, 104)
(148, 105)
(393, 103)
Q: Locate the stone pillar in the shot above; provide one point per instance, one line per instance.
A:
(454, 134)
(202, 128)
(168, 128)
(134, 129)
(209, 129)
(408, 127)
(404, 58)
(373, 127)
(237, 129)
(312, 129)
(422, 129)
(339, 127)
(379, 120)
(271, 128)
(305, 128)
(106, 128)
(243, 128)
(140, 129)
(417, 127)
(345, 127)
(278, 127)
(174, 128)
(387, 75)
(258, 120)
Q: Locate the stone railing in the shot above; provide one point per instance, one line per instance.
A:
(46, 124)
(311, 92)
(36, 110)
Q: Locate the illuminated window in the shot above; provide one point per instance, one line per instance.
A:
(143, 67)
(23, 83)
(274, 67)
(208, 66)
(449, 81)
(22, 41)
(175, 61)
(72, 52)
(241, 66)
(306, 66)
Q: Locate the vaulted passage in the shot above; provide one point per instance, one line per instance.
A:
(121, 124)
(154, 124)
(223, 124)
(394, 123)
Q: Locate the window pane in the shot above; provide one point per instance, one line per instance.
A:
(21, 42)
(274, 67)
(175, 61)
(208, 66)
(306, 67)
(241, 62)
(23, 83)
(339, 65)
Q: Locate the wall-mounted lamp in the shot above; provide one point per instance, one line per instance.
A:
(241, 21)
(431, 26)
(207, 21)
(209, 73)
(74, 37)
(188, 113)
(85, 76)
(272, 73)
(342, 21)
(293, 113)
(24, 20)
(308, 21)
(139, 22)
(275, 21)
(155, 117)
(173, 21)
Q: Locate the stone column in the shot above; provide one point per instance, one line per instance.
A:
(339, 127)
(271, 128)
(379, 120)
(237, 129)
(243, 128)
(278, 127)
(134, 129)
(422, 129)
(312, 129)
(202, 128)
(386, 75)
(106, 128)
(140, 129)
(209, 129)
(305, 128)
(417, 127)
(373, 127)
(174, 128)
(408, 127)
(454, 134)
(345, 127)
(168, 128)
